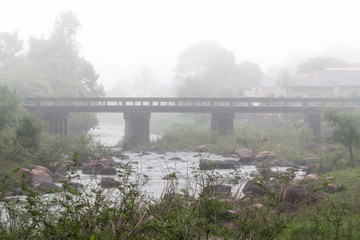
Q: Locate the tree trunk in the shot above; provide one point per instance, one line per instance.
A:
(351, 156)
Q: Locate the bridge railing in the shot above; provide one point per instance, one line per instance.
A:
(193, 102)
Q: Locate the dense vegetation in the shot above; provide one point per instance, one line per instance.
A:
(50, 67)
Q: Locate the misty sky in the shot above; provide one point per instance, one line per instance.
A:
(119, 37)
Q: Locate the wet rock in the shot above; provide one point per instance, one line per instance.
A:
(108, 162)
(176, 159)
(244, 153)
(253, 189)
(73, 185)
(47, 187)
(206, 164)
(231, 156)
(43, 169)
(38, 176)
(266, 155)
(98, 168)
(109, 183)
(169, 177)
(145, 153)
(204, 148)
(281, 163)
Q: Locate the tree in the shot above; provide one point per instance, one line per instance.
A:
(207, 69)
(320, 63)
(10, 46)
(10, 107)
(51, 67)
(346, 130)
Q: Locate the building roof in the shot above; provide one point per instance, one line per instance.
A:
(328, 77)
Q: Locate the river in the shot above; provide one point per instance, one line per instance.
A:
(156, 165)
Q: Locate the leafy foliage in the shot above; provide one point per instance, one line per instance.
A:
(346, 131)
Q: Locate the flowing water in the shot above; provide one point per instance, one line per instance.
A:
(156, 165)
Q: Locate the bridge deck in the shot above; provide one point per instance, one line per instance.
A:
(190, 105)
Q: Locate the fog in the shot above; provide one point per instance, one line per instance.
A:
(120, 38)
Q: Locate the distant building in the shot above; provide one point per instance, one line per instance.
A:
(265, 92)
(331, 82)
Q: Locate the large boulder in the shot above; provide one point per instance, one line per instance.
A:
(44, 169)
(266, 155)
(47, 187)
(109, 183)
(300, 194)
(108, 162)
(97, 168)
(39, 176)
(245, 155)
(206, 164)
(311, 177)
(253, 189)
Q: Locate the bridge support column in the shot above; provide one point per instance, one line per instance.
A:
(58, 123)
(222, 122)
(314, 122)
(137, 127)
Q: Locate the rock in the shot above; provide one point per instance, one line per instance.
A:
(229, 214)
(72, 185)
(244, 153)
(169, 177)
(281, 163)
(316, 168)
(311, 177)
(176, 159)
(28, 175)
(145, 153)
(258, 205)
(206, 164)
(233, 155)
(309, 160)
(329, 179)
(44, 169)
(266, 155)
(300, 194)
(48, 187)
(109, 183)
(108, 162)
(204, 148)
(252, 189)
(331, 188)
(98, 168)
(60, 170)
(38, 176)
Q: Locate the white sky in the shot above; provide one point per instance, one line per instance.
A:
(119, 37)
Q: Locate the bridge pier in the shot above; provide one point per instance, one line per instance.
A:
(137, 127)
(222, 122)
(58, 122)
(314, 122)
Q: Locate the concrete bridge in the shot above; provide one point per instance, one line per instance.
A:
(137, 111)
